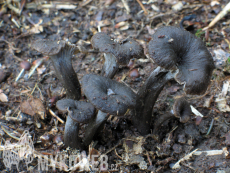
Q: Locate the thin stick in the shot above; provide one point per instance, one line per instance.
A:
(126, 6)
(53, 114)
(150, 161)
(34, 89)
(186, 157)
(142, 6)
(8, 133)
(218, 17)
(117, 154)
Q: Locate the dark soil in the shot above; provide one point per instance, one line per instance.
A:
(126, 149)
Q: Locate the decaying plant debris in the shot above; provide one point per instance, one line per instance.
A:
(28, 100)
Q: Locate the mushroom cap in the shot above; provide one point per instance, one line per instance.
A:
(50, 48)
(182, 109)
(79, 111)
(174, 48)
(96, 90)
(123, 51)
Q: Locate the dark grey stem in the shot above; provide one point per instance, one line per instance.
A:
(71, 138)
(159, 121)
(146, 98)
(64, 70)
(109, 70)
(93, 127)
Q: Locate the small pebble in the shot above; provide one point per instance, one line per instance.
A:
(25, 65)
(198, 120)
(134, 73)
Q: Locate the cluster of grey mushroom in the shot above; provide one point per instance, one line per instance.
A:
(179, 54)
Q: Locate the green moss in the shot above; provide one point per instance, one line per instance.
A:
(199, 32)
(228, 60)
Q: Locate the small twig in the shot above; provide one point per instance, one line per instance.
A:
(161, 15)
(150, 59)
(53, 114)
(218, 17)
(113, 148)
(142, 6)
(15, 111)
(186, 157)
(117, 154)
(213, 152)
(173, 129)
(142, 27)
(188, 166)
(41, 95)
(8, 133)
(126, 6)
(35, 86)
(150, 161)
(32, 70)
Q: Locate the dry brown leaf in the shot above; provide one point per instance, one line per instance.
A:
(33, 107)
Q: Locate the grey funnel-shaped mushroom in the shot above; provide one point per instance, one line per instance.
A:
(110, 67)
(109, 97)
(123, 51)
(174, 48)
(78, 112)
(96, 90)
(180, 52)
(61, 54)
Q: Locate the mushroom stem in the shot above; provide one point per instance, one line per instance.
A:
(65, 72)
(110, 65)
(93, 126)
(60, 54)
(160, 120)
(146, 98)
(71, 138)
(110, 68)
(181, 109)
